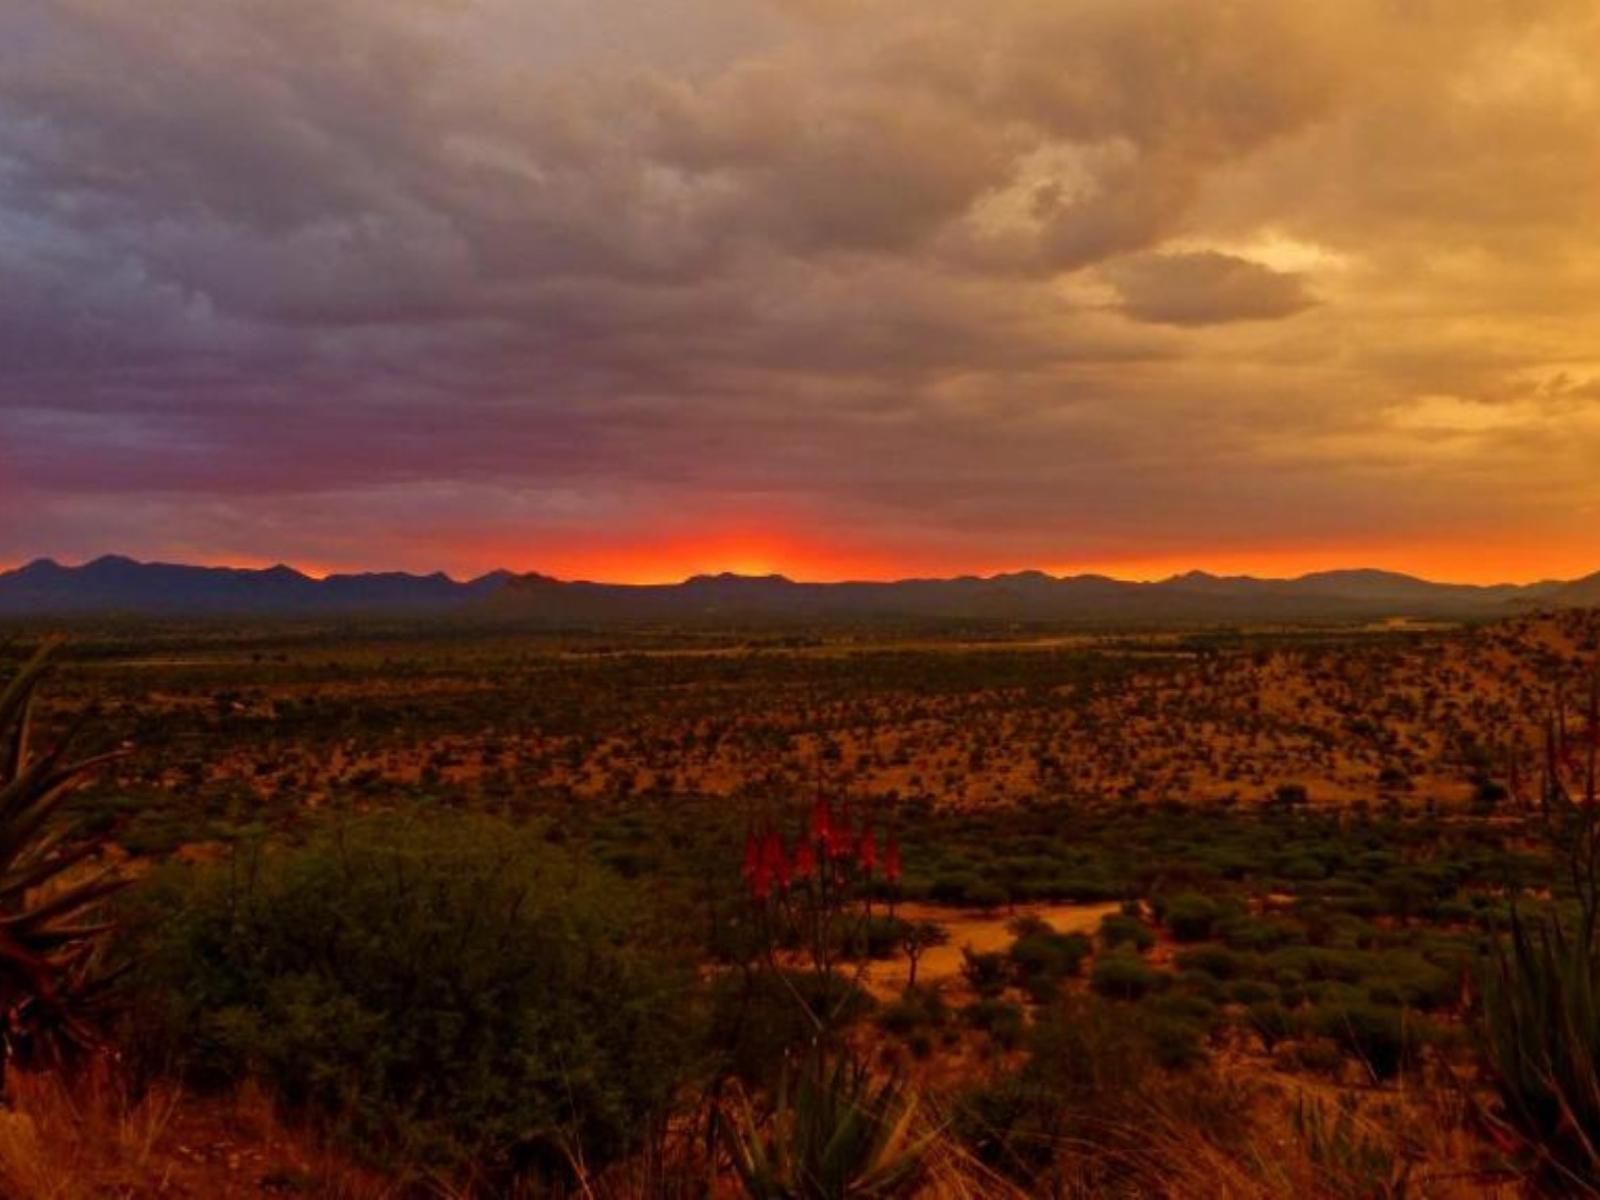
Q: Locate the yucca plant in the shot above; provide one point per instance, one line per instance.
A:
(50, 939)
(1541, 992)
(833, 1134)
(1541, 1008)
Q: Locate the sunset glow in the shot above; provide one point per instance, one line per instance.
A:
(830, 288)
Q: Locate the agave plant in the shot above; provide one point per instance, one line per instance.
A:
(50, 941)
(833, 1135)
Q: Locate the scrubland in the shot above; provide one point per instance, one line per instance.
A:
(455, 912)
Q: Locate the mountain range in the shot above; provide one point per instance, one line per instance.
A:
(115, 585)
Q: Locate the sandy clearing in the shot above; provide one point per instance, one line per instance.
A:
(981, 930)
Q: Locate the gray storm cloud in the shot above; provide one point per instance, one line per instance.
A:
(1020, 280)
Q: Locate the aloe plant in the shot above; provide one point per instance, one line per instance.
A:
(833, 1135)
(50, 940)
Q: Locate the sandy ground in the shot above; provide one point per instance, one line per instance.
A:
(980, 930)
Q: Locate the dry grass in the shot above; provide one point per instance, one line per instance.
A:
(93, 1139)
(1208, 1139)
(1386, 1145)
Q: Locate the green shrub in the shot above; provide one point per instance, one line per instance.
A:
(1207, 987)
(1217, 961)
(1302, 867)
(1185, 1006)
(919, 1010)
(985, 971)
(1119, 929)
(1253, 934)
(1175, 1027)
(1000, 1019)
(986, 895)
(1043, 958)
(1251, 991)
(1191, 917)
(1124, 977)
(878, 938)
(1384, 1039)
(1087, 1061)
(1411, 981)
(442, 990)
(1271, 1022)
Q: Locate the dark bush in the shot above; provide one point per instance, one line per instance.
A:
(918, 1011)
(985, 972)
(1272, 1023)
(1217, 961)
(1124, 977)
(1119, 929)
(1000, 1019)
(986, 895)
(1043, 958)
(442, 990)
(1384, 1039)
(1191, 917)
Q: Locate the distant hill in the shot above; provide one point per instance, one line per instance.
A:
(1026, 596)
(1580, 593)
(118, 585)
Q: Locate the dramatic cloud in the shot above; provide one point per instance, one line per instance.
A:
(1205, 289)
(833, 286)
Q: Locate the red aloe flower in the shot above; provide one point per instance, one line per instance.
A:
(891, 860)
(841, 841)
(774, 860)
(869, 848)
(805, 860)
(821, 820)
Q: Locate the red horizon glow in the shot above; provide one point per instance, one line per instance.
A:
(815, 560)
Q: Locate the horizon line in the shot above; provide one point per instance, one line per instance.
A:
(260, 566)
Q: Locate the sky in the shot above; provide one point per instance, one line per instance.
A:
(837, 288)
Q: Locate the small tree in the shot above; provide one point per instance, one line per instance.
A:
(916, 939)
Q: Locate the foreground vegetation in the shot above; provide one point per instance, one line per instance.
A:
(485, 982)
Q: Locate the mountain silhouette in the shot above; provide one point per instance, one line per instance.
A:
(116, 585)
